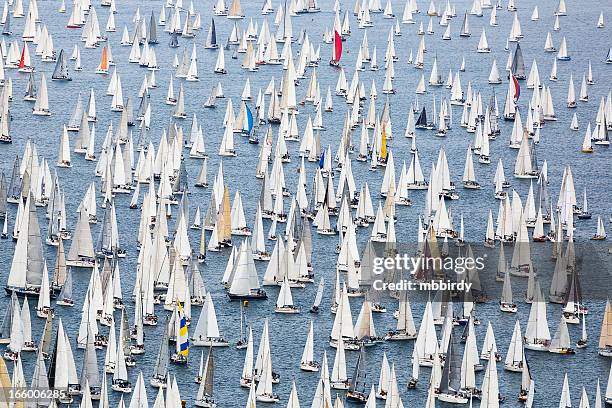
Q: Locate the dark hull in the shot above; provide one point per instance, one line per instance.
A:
(25, 292)
(253, 296)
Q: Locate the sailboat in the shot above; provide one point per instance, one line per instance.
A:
(526, 165)
(563, 55)
(537, 334)
(61, 68)
(65, 296)
(160, 377)
(584, 213)
(204, 397)
(600, 235)
(583, 341)
(506, 304)
(469, 177)
(43, 308)
(63, 159)
(263, 368)
(483, 44)
(284, 303)
(181, 354)
(120, 381)
(307, 362)
(41, 105)
(62, 371)
(211, 39)
(560, 343)
(489, 393)
(450, 381)
(18, 335)
(465, 27)
(207, 332)
(336, 50)
(27, 268)
(245, 282)
(103, 66)
(587, 146)
(318, 297)
(81, 252)
(605, 336)
(358, 386)
(405, 328)
(235, 11)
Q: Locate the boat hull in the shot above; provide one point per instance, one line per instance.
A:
(267, 398)
(339, 385)
(452, 398)
(400, 336)
(81, 263)
(250, 296)
(205, 402)
(287, 310)
(311, 366)
(210, 343)
(513, 368)
(158, 382)
(536, 346)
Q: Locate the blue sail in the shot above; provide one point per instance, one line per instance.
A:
(249, 118)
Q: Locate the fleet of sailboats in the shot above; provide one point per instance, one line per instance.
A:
(152, 254)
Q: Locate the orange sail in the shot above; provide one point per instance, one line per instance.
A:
(103, 67)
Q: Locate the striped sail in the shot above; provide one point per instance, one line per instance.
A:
(183, 338)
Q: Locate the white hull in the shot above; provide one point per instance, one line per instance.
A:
(513, 368)
(210, 343)
(605, 352)
(287, 310)
(267, 398)
(339, 385)
(81, 264)
(452, 398)
(536, 346)
(311, 367)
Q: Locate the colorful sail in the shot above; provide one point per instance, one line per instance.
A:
(22, 59)
(183, 337)
(517, 88)
(249, 115)
(383, 145)
(104, 61)
(337, 51)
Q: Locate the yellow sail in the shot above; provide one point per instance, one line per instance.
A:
(383, 145)
(605, 338)
(226, 231)
(434, 252)
(5, 383)
(183, 337)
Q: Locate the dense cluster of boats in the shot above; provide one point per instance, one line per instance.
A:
(133, 168)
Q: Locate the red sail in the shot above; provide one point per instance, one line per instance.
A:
(337, 46)
(22, 61)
